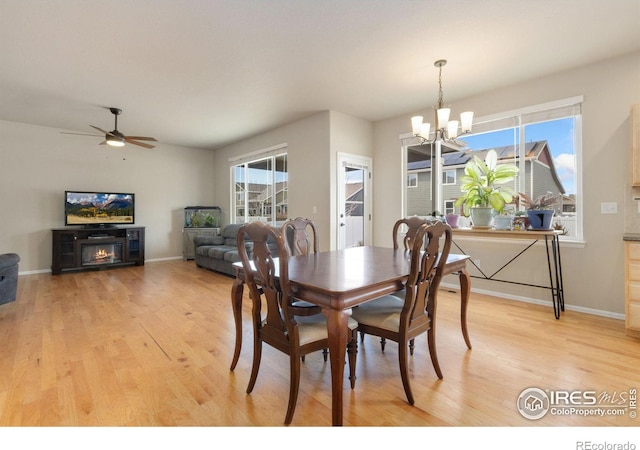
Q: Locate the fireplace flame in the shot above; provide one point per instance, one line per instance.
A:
(102, 254)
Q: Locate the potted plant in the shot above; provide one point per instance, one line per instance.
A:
(503, 221)
(484, 188)
(540, 210)
(452, 220)
(520, 221)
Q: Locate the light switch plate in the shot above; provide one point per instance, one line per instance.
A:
(608, 208)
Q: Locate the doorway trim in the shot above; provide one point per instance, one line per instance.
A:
(356, 162)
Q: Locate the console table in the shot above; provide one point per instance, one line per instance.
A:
(554, 263)
(95, 248)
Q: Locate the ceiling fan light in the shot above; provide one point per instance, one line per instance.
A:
(115, 141)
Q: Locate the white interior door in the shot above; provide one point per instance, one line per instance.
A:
(354, 201)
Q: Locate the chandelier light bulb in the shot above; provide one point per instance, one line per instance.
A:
(466, 121)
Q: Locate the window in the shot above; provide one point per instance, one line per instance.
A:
(260, 189)
(543, 140)
(449, 207)
(412, 180)
(449, 177)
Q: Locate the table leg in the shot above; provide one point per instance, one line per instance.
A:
(236, 305)
(465, 290)
(337, 329)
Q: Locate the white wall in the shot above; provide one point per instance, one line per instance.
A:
(37, 164)
(312, 145)
(593, 273)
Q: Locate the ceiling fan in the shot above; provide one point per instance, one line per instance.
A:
(115, 138)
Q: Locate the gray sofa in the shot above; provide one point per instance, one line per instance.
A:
(220, 252)
(8, 277)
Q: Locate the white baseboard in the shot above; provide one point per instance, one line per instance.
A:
(595, 312)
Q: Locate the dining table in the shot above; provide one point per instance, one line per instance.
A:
(340, 280)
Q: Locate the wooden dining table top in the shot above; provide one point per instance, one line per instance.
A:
(341, 279)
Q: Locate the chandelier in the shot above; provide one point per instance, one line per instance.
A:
(445, 129)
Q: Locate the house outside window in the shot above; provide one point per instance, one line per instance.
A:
(412, 180)
(449, 177)
(543, 140)
(449, 207)
(260, 190)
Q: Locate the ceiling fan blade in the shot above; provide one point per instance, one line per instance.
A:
(81, 134)
(142, 138)
(101, 130)
(141, 144)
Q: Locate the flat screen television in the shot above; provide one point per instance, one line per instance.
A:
(98, 209)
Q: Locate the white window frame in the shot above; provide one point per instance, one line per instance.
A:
(247, 159)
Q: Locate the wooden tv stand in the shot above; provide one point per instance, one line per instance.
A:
(96, 248)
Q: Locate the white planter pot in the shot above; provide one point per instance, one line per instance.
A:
(502, 222)
(481, 216)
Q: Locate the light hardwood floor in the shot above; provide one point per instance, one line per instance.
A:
(151, 346)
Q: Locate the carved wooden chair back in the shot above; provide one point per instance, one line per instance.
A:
(301, 236)
(412, 224)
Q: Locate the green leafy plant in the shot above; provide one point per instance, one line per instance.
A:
(547, 201)
(484, 183)
(210, 221)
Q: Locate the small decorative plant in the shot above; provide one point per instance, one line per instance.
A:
(547, 201)
(210, 221)
(484, 183)
(560, 227)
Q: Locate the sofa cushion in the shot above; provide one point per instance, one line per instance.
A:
(218, 240)
(232, 256)
(231, 231)
(203, 250)
(218, 251)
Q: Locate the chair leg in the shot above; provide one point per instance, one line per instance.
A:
(412, 345)
(465, 289)
(352, 351)
(236, 306)
(257, 356)
(325, 353)
(404, 371)
(431, 337)
(383, 342)
(294, 385)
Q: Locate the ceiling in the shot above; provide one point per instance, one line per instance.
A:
(207, 73)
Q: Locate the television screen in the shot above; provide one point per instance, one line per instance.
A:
(98, 208)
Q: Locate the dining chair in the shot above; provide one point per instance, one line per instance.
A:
(301, 237)
(267, 278)
(408, 233)
(412, 225)
(401, 320)
(407, 228)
